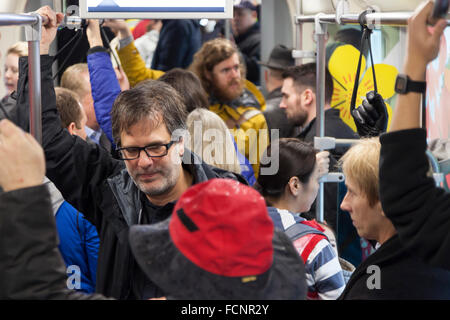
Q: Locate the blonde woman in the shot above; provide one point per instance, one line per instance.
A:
(11, 68)
(211, 140)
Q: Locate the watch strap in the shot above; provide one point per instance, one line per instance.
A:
(416, 86)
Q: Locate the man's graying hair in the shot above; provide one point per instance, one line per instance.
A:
(150, 99)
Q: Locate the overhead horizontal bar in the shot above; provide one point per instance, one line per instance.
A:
(12, 19)
(376, 18)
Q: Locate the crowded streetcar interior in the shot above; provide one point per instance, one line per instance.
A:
(192, 150)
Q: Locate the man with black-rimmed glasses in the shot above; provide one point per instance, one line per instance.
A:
(115, 194)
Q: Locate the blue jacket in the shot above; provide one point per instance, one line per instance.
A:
(105, 87)
(79, 243)
(246, 167)
(178, 41)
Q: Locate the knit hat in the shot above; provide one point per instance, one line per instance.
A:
(245, 4)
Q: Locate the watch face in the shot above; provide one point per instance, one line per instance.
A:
(400, 84)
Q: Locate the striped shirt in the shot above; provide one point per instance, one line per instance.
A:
(324, 276)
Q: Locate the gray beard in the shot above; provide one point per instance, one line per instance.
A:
(154, 192)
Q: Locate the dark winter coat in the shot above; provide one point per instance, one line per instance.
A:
(419, 210)
(249, 44)
(179, 40)
(393, 273)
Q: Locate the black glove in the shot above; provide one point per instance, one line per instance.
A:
(371, 117)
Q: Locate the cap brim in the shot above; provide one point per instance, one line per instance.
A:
(273, 66)
(179, 278)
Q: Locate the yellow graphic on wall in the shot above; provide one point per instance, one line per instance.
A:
(342, 66)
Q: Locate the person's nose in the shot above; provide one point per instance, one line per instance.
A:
(144, 160)
(235, 73)
(345, 204)
(8, 73)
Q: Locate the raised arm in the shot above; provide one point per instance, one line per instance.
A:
(418, 209)
(104, 83)
(131, 60)
(77, 168)
(422, 47)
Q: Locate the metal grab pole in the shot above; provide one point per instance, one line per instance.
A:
(33, 36)
(320, 37)
(33, 23)
(299, 32)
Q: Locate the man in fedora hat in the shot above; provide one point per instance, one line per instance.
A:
(280, 58)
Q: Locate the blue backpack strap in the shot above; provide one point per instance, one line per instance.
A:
(299, 230)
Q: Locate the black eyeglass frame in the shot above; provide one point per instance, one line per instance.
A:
(167, 145)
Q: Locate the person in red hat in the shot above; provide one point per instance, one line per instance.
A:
(211, 248)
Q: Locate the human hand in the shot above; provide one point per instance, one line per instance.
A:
(423, 41)
(48, 32)
(371, 117)
(323, 163)
(93, 33)
(118, 26)
(23, 162)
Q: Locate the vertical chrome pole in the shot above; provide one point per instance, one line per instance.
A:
(320, 34)
(227, 29)
(298, 32)
(33, 36)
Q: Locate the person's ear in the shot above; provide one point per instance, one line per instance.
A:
(308, 97)
(379, 208)
(294, 186)
(208, 75)
(181, 146)
(71, 127)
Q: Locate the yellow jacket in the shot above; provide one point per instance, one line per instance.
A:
(243, 116)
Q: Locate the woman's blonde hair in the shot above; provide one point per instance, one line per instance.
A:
(19, 48)
(360, 163)
(211, 140)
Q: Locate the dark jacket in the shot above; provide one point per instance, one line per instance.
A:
(400, 274)
(178, 41)
(419, 210)
(8, 107)
(99, 186)
(334, 127)
(31, 266)
(249, 44)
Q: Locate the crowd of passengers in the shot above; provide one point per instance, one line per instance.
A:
(169, 175)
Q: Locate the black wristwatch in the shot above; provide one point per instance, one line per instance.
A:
(403, 85)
